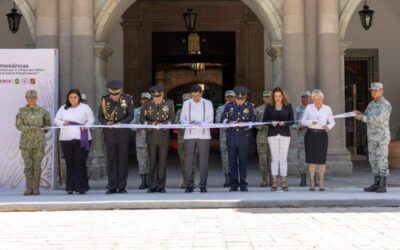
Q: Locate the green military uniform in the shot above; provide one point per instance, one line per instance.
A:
(377, 116)
(157, 139)
(32, 142)
(263, 150)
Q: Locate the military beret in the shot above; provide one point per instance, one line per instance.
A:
(196, 88)
(31, 93)
(306, 93)
(376, 85)
(241, 92)
(186, 96)
(156, 90)
(267, 93)
(229, 93)
(115, 87)
(145, 95)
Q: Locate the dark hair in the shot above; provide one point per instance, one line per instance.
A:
(72, 91)
(284, 96)
(196, 89)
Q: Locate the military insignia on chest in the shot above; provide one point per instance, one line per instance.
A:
(246, 111)
(165, 109)
(123, 103)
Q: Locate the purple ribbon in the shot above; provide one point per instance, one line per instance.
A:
(84, 137)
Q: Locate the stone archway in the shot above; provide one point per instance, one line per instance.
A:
(29, 15)
(266, 11)
(345, 16)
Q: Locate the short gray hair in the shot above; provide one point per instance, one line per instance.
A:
(317, 92)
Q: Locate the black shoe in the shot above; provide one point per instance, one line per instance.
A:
(244, 189)
(203, 190)
(122, 191)
(111, 191)
(189, 190)
(303, 180)
(374, 186)
(382, 186)
(226, 184)
(70, 192)
(82, 192)
(161, 190)
(233, 189)
(151, 190)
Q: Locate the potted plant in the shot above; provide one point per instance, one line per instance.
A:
(394, 151)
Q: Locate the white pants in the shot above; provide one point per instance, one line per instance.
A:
(279, 146)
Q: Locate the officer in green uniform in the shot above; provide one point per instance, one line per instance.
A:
(31, 120)
(377, 116)
(116, 108)
(157, 111)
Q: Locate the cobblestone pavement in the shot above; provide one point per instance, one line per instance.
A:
(275, 228)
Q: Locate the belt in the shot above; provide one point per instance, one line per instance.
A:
(316, 130)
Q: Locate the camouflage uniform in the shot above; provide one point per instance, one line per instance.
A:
(301, 154)
(376, 116)
(222, 140)
(142, 154)
(32, 142)
(264, 153)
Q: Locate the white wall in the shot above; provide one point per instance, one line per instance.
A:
(7, 38)
(384, 35)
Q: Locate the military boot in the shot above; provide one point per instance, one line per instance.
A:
(374, 186)
(143, 184)
(226, 184)
(382, 186)
(29, 186)
(303, 180)
(36, 186)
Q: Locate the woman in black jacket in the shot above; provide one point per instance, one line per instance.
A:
(280, 114)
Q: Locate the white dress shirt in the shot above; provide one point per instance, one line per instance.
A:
(81, 114)
(201, 112)
(322, 116)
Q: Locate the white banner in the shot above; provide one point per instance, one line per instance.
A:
(21, 70)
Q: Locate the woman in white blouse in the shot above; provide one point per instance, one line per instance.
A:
(318, 118)
(75, 140)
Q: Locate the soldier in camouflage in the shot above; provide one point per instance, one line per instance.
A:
(229, 97)
(31, 120)
(301, 132)
(377, 116)
(264, 153)
(142, 154)
(181, 148)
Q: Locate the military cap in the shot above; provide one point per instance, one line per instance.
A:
(241, 92)
(267, 93)
(115, 87)
(229, 93)
(83, 97)
(306, 93)
(156, 90)
(145, 95)
(186, 96)
(196, 88)
(376, 85)
(31, 92)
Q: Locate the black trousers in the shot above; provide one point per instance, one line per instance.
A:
(117, 165)
(237, 157)
(158, 154)
(75, 157)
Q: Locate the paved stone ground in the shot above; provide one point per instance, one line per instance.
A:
(277, 228)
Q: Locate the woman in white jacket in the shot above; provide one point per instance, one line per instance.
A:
(75, 140)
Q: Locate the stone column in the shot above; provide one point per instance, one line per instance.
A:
(65, 26)
(294, 52)
(311, 43)
(275, 51)
(329, 80)
(47, 24)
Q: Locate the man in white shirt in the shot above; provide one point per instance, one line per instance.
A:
(197, 110)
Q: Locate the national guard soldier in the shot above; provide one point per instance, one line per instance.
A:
(116, 108)
(181, 148)
(229, 98)
(142, 154)
(238, 137)
(264, 153)
(377, 116)
(157, 111)
(301, 132)
(31, 120)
